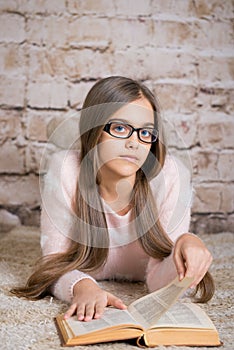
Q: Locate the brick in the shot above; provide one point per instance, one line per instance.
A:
(13, 5)
(33, 156)
(50, 94)
(101, 7)
(12, 60)
(207, 198)
(63, 131)
(227, 198)
(29, 215)
(213, 165)
(226, 165)
(213, 35)
(198, 34)
(213, 8)
(8, 221)
(211, 98)
(180, 130)
(9, 5)
(165, 63)
(12, 91)
(125, 61)
(133, 8)
(89, 31)
(175, 34)
(25, 189)
(213, 197)
(75, 64)
(87, 64)
(216, 68)
(154, 64)
(215, 130)
(211, 223)
(110, 8)
(11, 159)
(130, 33)
(12, 28)
(44, 63)
(78, 92)
(205, 165)
(230, 223)
(10, 125)
(37, 122)
(229, 108)
(223, 101)
(168, 7)
(49, 31)
(189, 8)
(176, 95)
(44, 6)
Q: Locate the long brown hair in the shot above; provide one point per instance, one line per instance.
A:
(90, 247)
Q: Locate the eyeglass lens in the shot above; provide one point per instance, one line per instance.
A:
(121, 130)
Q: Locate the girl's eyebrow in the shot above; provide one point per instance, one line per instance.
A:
(125, 121)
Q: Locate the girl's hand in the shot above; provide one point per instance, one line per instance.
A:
(191, 257)
(90, 300)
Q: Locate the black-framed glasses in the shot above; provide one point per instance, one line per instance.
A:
(124, 131)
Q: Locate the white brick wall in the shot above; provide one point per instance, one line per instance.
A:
(52, 51)
(12, 28)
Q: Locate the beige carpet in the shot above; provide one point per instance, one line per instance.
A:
(28, 325)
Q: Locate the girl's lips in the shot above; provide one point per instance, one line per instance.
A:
(129, 158)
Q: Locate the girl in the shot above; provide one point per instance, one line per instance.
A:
(118, 209)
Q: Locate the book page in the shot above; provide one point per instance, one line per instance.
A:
(150, 308)
(186, 315)
(111, 317)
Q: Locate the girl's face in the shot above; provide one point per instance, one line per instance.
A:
(122, 157)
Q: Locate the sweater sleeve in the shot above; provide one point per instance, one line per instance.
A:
(57, 217)
(174, 205)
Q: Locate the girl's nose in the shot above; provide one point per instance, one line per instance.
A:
(132, 141)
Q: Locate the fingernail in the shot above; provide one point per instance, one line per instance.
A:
(181, 276)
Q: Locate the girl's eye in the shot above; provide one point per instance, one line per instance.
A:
(119, 128)
(145, 133)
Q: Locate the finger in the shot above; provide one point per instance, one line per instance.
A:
(197, 280)
(198, 272)
(80, 312)
(116, 302)
(99, 310)
(89, 312)
(191, 274)
(70, 311)
(180, 265)
(199, 276)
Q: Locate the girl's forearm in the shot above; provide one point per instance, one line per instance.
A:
(63, 287)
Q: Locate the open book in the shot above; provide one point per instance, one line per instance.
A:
(155, 319)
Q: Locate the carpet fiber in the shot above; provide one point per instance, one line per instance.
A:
(28, 325)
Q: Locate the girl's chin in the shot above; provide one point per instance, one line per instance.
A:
(121, 167)
(126, 170)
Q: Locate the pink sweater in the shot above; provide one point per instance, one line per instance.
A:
(126, 260)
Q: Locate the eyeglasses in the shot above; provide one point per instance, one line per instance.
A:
(124, 131)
